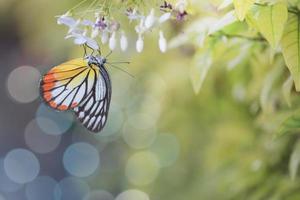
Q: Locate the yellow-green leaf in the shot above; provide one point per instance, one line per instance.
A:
(294, 161)
(199, 69)
(290, 125)
(242, 7)
(291, 47)
(287, 89)
(271, 22)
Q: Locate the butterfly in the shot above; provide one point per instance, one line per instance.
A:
(82, 85)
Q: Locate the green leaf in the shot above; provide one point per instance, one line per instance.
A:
(290, 125)
(242, 7)
(287, 89)
(266, 99)
(271, 22)
(291, 48)
(199, 69)
(294, 161)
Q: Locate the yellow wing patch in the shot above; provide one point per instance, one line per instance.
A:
(66, 85)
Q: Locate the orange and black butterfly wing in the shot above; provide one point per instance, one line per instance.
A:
(92, 112)
(65, 86)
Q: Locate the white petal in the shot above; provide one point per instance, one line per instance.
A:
(92, 43)
(139, 44)
(112, 41)
(181, 5)
(87, 22)
(80, 40)
(104, 37)
(164, 18)
(74, 27)
(227, 19)
(66, 20)
(123, 42)
(162, 42)
(150, 19)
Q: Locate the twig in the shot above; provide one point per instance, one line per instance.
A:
(256, 39)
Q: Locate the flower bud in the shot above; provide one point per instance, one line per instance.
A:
(123, 42)
(150, 19)
(164, 18)
(140, 44)
(162, 42)
(112, 41)
(104, 37)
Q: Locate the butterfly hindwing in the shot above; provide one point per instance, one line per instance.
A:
(93, 110)
(67, 85)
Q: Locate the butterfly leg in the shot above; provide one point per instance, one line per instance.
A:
(84, 48)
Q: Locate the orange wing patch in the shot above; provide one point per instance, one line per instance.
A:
(66, 85)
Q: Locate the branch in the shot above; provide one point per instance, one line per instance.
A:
(255, 39)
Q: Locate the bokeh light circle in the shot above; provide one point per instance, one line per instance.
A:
(71, 188)
(53, 122)
(6, 184)
(138, 138)
(142, 121)
(142, 168)
(38, 141)
(21, 166)
(114, 123)
(133, 195)
(81, 159)
(42, 187)
(99, 195)
(22, 84)
(113, 156)
(166, 148)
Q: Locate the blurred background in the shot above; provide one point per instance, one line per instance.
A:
(162, 141)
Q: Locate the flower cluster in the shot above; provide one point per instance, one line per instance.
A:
(107, 30)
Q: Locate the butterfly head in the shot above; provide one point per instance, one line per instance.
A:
(96, 60)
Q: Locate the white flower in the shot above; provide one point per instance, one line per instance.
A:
(66, 19)
(74, 27)
(123, 42)
(181, 6)
(133, 15)
(140, 44)
(162, 42)
(165, 17)
(87, 22)
(150, 19)
(112, 41)
(104, 37)
(81, 39)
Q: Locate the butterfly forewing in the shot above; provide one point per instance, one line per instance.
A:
(65, 86)
(93, 110)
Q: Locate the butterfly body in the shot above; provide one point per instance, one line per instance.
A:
(82, 85)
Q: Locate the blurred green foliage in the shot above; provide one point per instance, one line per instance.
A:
(232, 127)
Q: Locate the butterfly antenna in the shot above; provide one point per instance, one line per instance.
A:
(120, 69)
(108, 54)
(122, 62)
